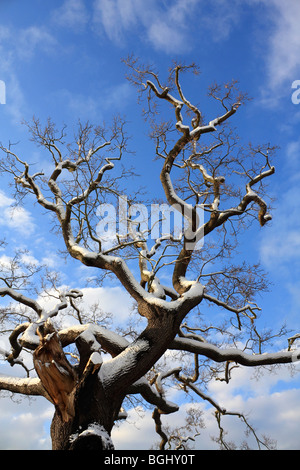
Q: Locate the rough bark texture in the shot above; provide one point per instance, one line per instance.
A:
(57, 375)
(92, 408)
(98, 397)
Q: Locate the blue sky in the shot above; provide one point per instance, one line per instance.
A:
(63, 59)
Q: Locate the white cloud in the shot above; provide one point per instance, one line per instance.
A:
(72, 14)
(22, 44)
(165, 37)
(79, 104)
(18, 46)
(278, 38)
(221, 13)
(15, 101)
(283, 58)
(275, 414)
(168, 27)
(31, 39)
(280, 243)
(51, 260)
(4, 200)
(14, 96)
(85, 106)
(29, 259)
(137, 432)
(25, 425)
(16, 218)
(113, 300)
(5, 262)
(276, 41)
(165, 26)
(116, 97)
(109, 15)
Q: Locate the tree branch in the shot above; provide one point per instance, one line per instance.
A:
(231, 354)
(28, 386)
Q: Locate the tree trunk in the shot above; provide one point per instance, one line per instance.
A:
(84, 414)
(93, 420)
(95, 406)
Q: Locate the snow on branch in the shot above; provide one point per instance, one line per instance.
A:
(251, 196)
(15, 295)
(152, 396)
(28, 386)
(28, 330)
(231, 354)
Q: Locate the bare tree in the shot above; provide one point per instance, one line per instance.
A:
(205, 169)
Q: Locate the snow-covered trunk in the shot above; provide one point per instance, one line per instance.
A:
(93, 409)
(99, 396)
(93, 420)
(100, 388)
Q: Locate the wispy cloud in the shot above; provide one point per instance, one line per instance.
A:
(113, 300)
(25, 426)
(283, 59)
(22, 44)
(85, 106)
(280, 243)
(33, 39)
(71, 14)
(167, 27)
(269, 413)
(277, 41)
(16, 218)
(164, 26)
(17, 46)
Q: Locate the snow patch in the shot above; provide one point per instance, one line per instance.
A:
(96, 358)
(125, 361)
(96, 430)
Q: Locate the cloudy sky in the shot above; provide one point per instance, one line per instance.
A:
(63, 59)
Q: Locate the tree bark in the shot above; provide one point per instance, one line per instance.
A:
(98, 396)
(91, 426)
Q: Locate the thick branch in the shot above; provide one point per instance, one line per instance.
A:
(231, 354)
(21, 298)
(27, 386)
(150, 394)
